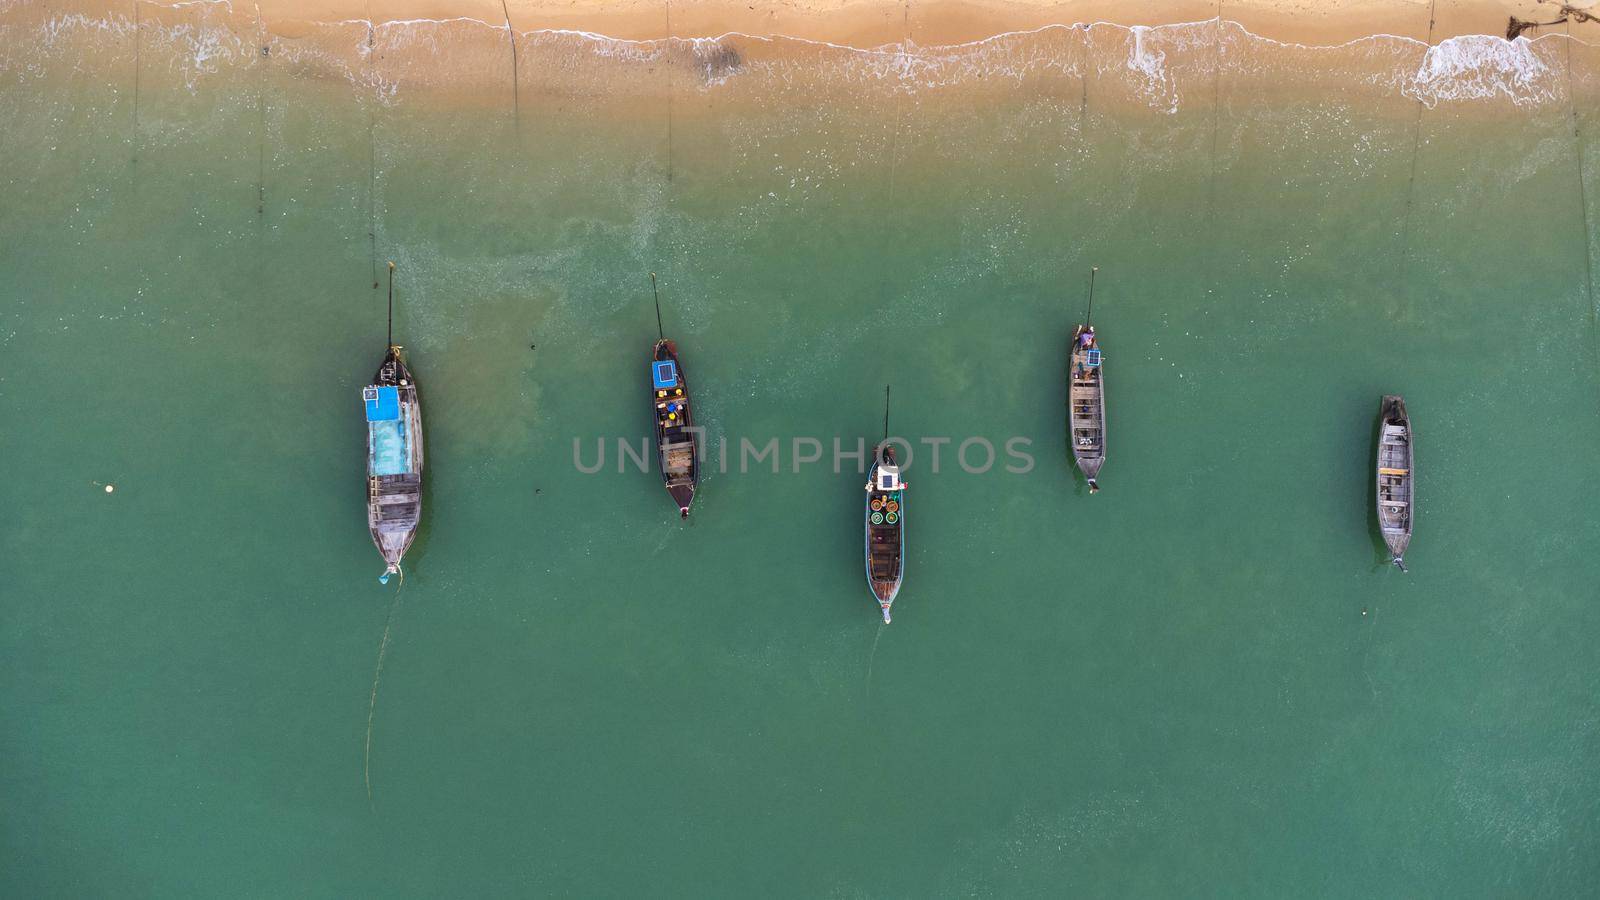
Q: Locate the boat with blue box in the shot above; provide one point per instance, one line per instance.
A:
(394, 453)
(677, 446)
(1086, 397)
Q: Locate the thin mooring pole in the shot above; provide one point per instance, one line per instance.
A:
(886, 413)
(391, 303)
(1088, 317)
(660, 334)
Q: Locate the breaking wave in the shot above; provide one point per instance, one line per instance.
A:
(1159, 67)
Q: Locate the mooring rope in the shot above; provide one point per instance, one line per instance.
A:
(377, 673)
(1216, 113)
(670, 85)
(516, 100)
(372, 159)
(872, 656)
(1583, 200)
(1216, 103)
(261, 118)
(1416, 149)
(137, 29)
(1083, 99)
(899, 103)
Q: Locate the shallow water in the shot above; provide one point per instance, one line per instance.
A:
(1205, 679)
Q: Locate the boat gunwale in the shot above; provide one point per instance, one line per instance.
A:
(680, 489)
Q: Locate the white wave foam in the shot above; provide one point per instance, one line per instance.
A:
(1480, 67)
(1459, 69)
(1149, 63)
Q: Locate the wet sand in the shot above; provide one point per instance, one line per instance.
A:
(878, 23)
(631, 60)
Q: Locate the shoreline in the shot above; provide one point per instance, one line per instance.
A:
(468, 62)
(875, 24)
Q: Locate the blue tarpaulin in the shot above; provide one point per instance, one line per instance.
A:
(388, 445)
(665, 373)
(383, 403)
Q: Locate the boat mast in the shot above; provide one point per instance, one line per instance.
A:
(886, 414)
(1088, 317)
(657, 291)
(391, 303)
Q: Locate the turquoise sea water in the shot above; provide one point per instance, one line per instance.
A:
(1204, 680)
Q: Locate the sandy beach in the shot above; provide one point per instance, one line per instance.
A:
(875, 23)
(635, 55)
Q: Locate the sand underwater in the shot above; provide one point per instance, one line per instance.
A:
(1204, 680)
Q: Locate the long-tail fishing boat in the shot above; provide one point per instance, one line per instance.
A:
(676, 444)
(885, 522)
(394, 453)
(1086, 397)
(1396, 477)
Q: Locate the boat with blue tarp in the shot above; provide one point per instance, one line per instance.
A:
(674, 424)
(677, 446)
(394, 454)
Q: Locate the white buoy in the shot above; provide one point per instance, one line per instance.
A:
(110, 488)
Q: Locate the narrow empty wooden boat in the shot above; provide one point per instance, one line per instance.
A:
(1396, 477)
(677, 448)
(1086, 397)
(394, 453)
(885, 523)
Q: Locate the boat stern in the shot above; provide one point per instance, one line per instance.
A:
(683, 495)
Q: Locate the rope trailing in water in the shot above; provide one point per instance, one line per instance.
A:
(1216, 88)
(516, 100)
(372, 161)
(261, 119)
(670, 86)
(1583, 199)
(1216, 110)
(872, 655)
(377, 673)
(1083, 100)
(899, 101)
(137, 29)
(1416, 147)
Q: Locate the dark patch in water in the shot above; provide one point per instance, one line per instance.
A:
(719, 62)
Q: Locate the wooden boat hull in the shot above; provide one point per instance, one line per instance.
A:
(1395, 478)
(885, 540)
(1086, 412)
(394, 464)
(677, 444)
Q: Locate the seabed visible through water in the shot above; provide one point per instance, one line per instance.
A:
(1204, 679)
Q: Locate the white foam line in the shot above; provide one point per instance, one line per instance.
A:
(387, 23)
(890, 49)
